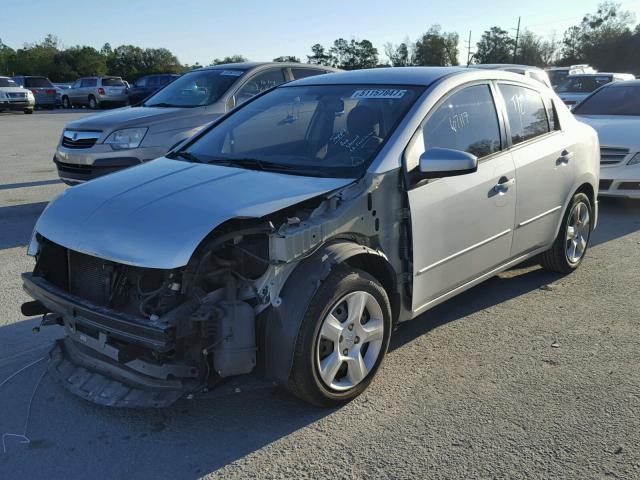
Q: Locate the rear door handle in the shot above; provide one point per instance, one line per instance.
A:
(565, 156)
(503, 184)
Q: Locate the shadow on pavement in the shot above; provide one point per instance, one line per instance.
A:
(11, 186)
(17, 222)
(197, 437)
(617, 217)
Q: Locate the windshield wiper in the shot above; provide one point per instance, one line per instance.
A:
(186, 155)
(255, 164)
(164, 105)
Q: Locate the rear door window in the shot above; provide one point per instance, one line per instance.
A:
(526, 112)
(466, 121)
(89, 82)
(112, 82)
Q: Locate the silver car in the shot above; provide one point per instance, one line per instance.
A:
(288, 239)
(95, 92)
(97, 145)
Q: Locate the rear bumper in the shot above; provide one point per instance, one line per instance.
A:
(45, 100)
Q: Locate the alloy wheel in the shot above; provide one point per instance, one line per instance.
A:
(350, 341)
(578, 231)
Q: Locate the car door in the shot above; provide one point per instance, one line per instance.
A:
(258, 83)
(78, 95)
(462, 226)
(543, 156)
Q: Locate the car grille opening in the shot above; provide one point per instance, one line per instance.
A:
(17, 95)
(78, 140)
(605, 184)
(612, 155)
(629, 186)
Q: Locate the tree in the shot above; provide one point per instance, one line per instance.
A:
(533, 50)
(495, 46)
(437, 48)
(7, 59)
(353, 55)
(400, 55)
(319, 56)
(287, 58)
(77, 62)
(603, 39)
(229, 59)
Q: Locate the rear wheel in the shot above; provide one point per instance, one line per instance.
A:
(342, 340)
(570, 246)
(93, 103)
(66, 103)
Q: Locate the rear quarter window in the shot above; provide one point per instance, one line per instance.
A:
(306, 72)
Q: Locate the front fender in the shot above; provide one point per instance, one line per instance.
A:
(282, 323)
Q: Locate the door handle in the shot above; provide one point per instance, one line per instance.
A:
(565, 156)
(503, 184)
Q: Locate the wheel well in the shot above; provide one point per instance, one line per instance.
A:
(379, 268)
(587, 189)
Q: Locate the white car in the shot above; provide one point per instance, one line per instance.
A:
(614, 112)
(14, 97)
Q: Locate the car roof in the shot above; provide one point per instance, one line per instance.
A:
(251, 65)
(420, 76)
(497, 66)
(628, 83)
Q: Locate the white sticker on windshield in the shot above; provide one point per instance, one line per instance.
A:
(379, 93)
(232, 73)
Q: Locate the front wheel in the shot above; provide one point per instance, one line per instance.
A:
(570, 246)
(342, 340)
(66, 103)
(28, 111)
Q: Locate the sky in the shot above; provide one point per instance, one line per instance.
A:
(199, 30)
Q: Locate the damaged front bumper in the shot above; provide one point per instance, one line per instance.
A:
(103, 372)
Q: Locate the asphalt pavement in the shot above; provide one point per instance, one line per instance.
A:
(529, 375)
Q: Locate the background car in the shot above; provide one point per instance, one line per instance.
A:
(96, 145)
(42, 89)
(526, 70)
(557, 75)
(60, 88)
(95, 92)
(14, 97)
(145, 86)
(614, 112)
(578, 87)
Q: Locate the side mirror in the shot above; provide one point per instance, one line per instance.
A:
(445, 162)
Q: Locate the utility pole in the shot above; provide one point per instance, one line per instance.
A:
(515, 48)
(469, 49)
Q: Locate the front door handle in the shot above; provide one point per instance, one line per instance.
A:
(565, 156)
(503, 184)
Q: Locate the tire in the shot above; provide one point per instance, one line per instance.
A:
(570, 246)
(28, 111)
(93, 103)
(339, 347)
(66, 103)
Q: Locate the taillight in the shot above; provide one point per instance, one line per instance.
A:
(50, 90)
(100, 91)
(34, 91)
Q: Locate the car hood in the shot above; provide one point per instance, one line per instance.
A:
(615, 130)
(135, 117)
(155, 215)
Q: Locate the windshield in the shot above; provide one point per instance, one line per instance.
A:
(575, 84)
(7, 82)
(613, 100)
(37, 82)
(112, 82)
(557, 76)
(195, 89)
(321, 130)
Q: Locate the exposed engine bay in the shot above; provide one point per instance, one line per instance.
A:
(187, 329)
